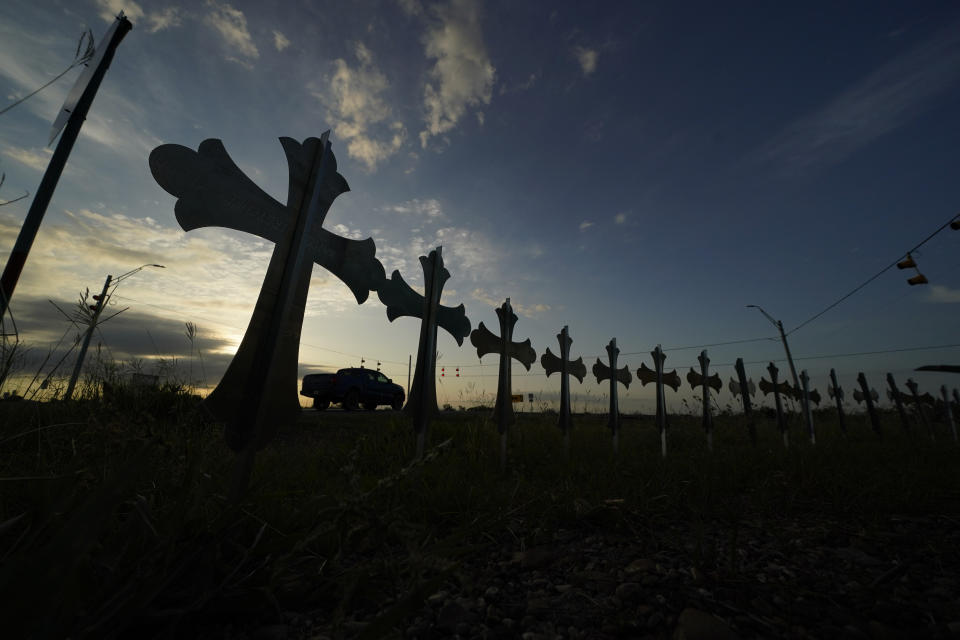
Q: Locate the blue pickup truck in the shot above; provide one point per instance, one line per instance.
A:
(352, 388)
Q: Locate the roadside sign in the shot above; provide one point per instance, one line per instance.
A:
(516, 397)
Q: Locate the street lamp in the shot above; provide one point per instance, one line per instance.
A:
(102, 300)
(786, 347)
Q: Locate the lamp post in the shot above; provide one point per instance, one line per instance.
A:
(102, 300)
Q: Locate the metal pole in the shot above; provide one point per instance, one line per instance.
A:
(409, 364)
(86, 339)
(28, 232)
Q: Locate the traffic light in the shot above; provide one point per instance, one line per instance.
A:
(442, 371)
(458, 372)
(910, 263)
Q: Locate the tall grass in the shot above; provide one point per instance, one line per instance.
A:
(114, 521)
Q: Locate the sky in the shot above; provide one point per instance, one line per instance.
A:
(632, 170)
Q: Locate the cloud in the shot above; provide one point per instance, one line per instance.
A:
(164, 19)
(520, 86)
(156, 21)
(528, 310)
(231, 25)
(620, 218)
(428, 207)
(280, 41)
(358, 111)
(586, 224)
(462, 76)
(34, 158)
(587, 59)
(411, 7)
(879, 103)
(110, 8)
(942, 294)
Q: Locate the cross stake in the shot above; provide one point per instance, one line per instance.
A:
(566, 368)
(745, 389)
(914, 391)
(258, 390)
(705, 380)
(836, 392)
(645, 375)
(894, 394)
(868, 395)
(807, 410)
(486, 342)
(604, 372)
(777, 387)
(401, 300)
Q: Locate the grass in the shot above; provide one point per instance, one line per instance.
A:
(113, 520)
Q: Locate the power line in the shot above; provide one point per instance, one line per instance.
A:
(874, 277)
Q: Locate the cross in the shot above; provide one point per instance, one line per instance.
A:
(486, 342)
(604, 372)
(868, 395)
(566, 368)
(258, 390)
(948, 410)
(836, 392)
(745, 389)
(705, 380)
(914, 391)
(645, 375)
(807, 412)
(776, 387)
(401, 300)
(897, 396)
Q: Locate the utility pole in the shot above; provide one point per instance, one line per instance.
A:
(77, 114)
(101, 300)
(786, 347)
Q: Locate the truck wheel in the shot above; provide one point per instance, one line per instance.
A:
(397, 403)
(320, 405)
(351, 401)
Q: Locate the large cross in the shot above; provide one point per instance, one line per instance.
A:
(605, 372)
(401, 300)
(566, 368)
(836, 392)
(806, 400)
(868, 395)
(656, 375)
(915, 393)
(705, 380)
(503, 345)
(258, 390)
(897, 396)
(745, 388)
(776, 388)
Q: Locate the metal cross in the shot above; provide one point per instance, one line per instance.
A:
(897, 396)
(836, 392)
(705, 380)
(604, 372)
(868, 395)
(258, 390)
(401, 300)
(566, 368)
(645, 375)
(486, 342)
(777, 388)
(745, 389)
